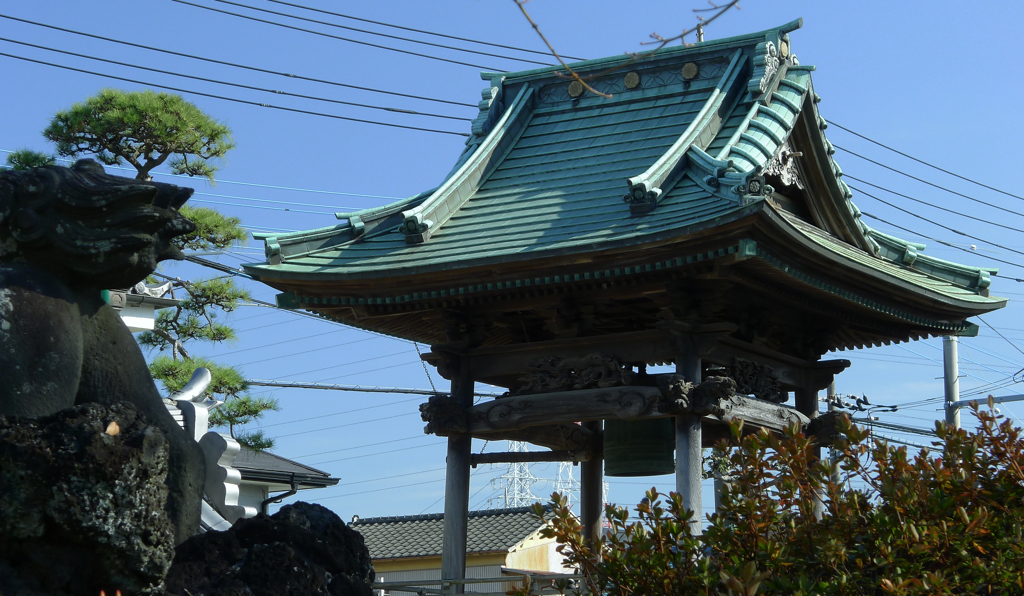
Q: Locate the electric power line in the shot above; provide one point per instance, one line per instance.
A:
(377, 490)
(333, 366)
(264, 207)
(922, 180)
(426, 43)
(920, 161)
(935, 223)
(392, 403)
(305, 432)
(365, 455)
(363, 446)
(890, 191)
(902, 442)
(234, 65)
(238, 85)
(356, 388)
(278, 343)
(279, 357)
(486, 43)
(394, 476)
(233, 99)
(1001, 335)
(222, 181)
(338, 37)
(949, 244)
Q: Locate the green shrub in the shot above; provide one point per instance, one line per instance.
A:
(945, 522)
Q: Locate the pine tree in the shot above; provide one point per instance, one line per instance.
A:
(147, 129)
(143, 128)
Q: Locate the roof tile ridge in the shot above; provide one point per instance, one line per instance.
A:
(906, 258)
(424, 220)
(909, 254)
(399, 518)
(666, 52)
(373, 213)
(862, 229)
(647, 188)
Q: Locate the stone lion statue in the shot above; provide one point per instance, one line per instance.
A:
(67, 234)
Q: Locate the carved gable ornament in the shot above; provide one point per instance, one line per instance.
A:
(783, 166)
(581, 372)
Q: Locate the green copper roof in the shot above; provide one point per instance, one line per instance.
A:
(684, 144)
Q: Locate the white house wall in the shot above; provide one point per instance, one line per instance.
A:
(252, 495)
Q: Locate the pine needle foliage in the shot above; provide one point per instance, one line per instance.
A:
(196, 318)
(228, 385)
(949, 521)
(26, 159)
(144, 129)
(214, 231)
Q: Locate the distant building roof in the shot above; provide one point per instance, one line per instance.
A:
(261, 466)
(493, 530)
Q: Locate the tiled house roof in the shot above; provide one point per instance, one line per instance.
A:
(494, 530)
(267, 467)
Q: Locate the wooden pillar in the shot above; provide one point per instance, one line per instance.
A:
(806, 399)
(456, 488)
(592, 486)
(689, 461)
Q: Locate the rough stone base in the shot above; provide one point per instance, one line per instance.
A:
(303, 549)
(82, 503)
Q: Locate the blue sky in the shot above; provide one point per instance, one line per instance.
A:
(937, 80)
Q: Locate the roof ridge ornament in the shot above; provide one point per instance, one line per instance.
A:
(766, 64)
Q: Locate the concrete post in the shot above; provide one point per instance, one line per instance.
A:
(456, 489)
(832, 397)
(951, 373)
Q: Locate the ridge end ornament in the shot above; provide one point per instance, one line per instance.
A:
(766, 64)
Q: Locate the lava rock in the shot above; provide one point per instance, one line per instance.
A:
(82, 503)
(303, 549)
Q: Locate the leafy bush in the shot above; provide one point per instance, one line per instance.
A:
(945, 522)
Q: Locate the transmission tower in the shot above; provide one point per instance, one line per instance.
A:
(518, 480)
(566, 484)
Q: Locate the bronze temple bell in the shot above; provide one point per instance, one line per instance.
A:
(639, 447)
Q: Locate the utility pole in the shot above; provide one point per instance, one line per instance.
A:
(951, 370)
(833, 454)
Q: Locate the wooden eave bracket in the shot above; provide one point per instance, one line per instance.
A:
(647, 189)
(423, 221)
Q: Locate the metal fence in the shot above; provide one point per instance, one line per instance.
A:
(538, 584)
